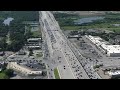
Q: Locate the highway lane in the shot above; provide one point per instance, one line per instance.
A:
(68, 52)
(85, 62)
(51, 44)
(62, 45)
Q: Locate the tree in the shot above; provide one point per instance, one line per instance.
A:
(9, 72)
(28, 33)
(3, 44)
(16, 29)
(114, 31)
(17, 37)
(30, 52)
(14, 46)
(6, 76)
(44, 73)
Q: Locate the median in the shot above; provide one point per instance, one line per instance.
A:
(56, 73)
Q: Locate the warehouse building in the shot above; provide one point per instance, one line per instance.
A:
(114, 74)
(24, 70)
(34, 40)
(110, 50)
(34, 43)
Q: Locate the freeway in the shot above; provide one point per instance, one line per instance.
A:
(59, 47)
(53, 47)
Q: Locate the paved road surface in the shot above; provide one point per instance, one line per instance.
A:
(56, 42)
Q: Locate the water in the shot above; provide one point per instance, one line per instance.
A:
(8, 20)
(87, 20)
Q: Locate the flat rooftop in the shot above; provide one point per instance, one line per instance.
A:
(113, 73)
(111, 48)
(34, 39)
(97, 40)
(104, 44)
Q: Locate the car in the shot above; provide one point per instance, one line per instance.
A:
(12, 57)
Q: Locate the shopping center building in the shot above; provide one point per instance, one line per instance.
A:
(104, 46)
(24, 70)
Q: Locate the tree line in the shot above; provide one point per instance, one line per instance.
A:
(16, 31)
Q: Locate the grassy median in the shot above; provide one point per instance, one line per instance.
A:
(36, 34)
(3, 76)
(56, 74)
(71, 27)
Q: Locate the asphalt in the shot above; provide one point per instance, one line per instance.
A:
(57, 41)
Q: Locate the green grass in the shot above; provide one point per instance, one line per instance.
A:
(3, 76)
(102, 25)
(56, 74)
(39, 54)
(36, 34)
(70, 27)
(107, 26)
(114, 29)
(65, 21)
(1, 18)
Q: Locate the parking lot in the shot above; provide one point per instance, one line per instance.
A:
(89, 57)
(87, 50)
(92, 56)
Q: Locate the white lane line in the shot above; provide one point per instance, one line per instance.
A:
(65, 58)
(68, 63)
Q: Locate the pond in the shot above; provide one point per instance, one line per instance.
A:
(8, 20)
(87, 20)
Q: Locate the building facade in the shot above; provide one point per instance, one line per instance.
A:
(105, 47)
(34, 43)
(15, 66)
